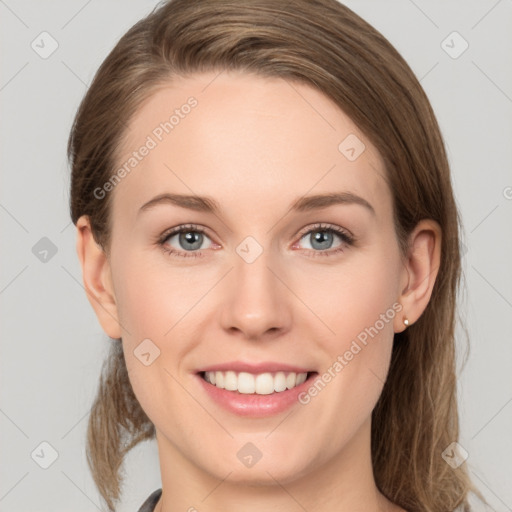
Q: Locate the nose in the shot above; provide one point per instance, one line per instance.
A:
(256, 302)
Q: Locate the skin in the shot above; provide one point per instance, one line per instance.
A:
(256, 145)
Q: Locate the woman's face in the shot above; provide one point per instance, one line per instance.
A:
(263, 285)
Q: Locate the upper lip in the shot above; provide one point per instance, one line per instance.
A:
(263, 367)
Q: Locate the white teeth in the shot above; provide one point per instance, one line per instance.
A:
(230, 381)
(245, 383)
(280, 382)
(291, 378)
(260, 384)
(264, 384)
(301, 377)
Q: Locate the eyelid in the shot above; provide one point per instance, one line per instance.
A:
(319, 226)
(182, 228)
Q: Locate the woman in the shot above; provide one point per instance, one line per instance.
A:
(267, 231)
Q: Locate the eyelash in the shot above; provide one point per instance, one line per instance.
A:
(343, 235)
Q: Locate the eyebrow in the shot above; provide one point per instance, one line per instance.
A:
(303, 204)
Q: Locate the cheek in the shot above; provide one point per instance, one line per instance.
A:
(354, 301)
(152, 298)
(357, 306)
(153, 305)
(355, 363)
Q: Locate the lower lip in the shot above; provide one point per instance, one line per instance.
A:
(255, 405)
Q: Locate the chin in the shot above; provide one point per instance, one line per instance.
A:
(264, 472)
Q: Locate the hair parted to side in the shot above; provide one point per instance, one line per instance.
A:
(324, 44)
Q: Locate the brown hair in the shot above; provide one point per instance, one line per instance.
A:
(324, 44)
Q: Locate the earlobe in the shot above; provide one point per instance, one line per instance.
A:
(420, 271)
(97, 279)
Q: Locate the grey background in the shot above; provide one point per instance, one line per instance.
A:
(52, 345)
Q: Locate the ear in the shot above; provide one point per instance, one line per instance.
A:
(97, 278)
(420, 271)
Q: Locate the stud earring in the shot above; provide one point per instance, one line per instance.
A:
(406, 322)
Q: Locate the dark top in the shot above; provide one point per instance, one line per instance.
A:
(150, 504)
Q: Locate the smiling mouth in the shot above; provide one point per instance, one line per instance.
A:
(258, 384)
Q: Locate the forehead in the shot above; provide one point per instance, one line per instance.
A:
(247, 139)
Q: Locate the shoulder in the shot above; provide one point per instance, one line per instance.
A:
(151, 501)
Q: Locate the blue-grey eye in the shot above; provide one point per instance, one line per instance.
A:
(188, 239)
(321, 239)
